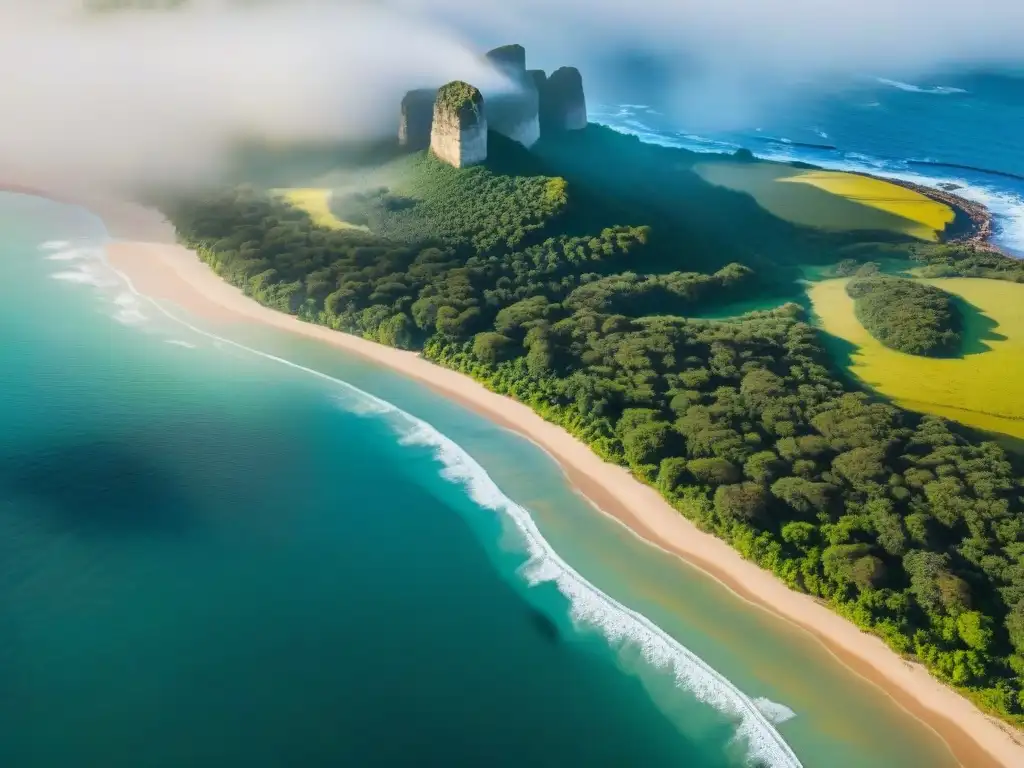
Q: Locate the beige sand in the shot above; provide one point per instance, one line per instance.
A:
(169, 272)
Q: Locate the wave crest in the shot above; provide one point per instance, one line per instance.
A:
(592, 606)
(938, 90)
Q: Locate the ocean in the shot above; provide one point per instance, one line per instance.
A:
(222, 545)
(961, 129)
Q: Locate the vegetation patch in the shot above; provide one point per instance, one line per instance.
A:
(832, 201)
(475, 208)
(983, 388)
(906, 315)
(460, 98)
(931, 217)
(317, 203)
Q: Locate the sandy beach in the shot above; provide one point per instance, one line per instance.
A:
(164, 271)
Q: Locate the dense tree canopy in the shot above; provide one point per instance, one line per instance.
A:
(907, 315)
(905, 525)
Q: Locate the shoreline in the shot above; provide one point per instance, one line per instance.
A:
(165, 271)
(143, 248)
(981, 230)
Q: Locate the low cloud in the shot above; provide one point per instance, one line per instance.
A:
(121, 96)
(115, 97)
(723, 61)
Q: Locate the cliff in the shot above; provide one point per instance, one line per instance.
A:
(459, 131)
(508, 58)
(453, 123)
(562, 104)
(417, 114)
(514, 113)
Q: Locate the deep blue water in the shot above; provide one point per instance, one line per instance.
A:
(911, 130)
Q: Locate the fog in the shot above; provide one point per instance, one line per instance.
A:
(116, 97)
(729, 63)
(158, 95)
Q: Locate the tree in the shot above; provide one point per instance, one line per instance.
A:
(861, 467)
(396, 331)
(799, 534)
(804, 496)
(491, 347)
(888, 526)
(852, 564)
(714, 471)
(671, 474)
(647, 443)
(764, 467)
(1015, 626)
(741, 501)
(974, 629)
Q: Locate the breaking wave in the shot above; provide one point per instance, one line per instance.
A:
(588, 604)
(85, 265)
(775, 712)
(940, 90)
(591, 606)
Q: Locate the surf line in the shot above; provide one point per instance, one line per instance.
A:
(587, 603)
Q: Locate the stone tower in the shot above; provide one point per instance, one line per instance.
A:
(562, 104)
(514, 113)
(416, 116)
(459, 131)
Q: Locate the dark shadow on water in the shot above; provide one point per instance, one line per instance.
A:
(545, 625)
(102, 487)
(978, 329)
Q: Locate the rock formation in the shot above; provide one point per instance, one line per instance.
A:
(416, 118)
(453, 123)
(514, 113)
(458, 134)
(508, 58)
(562, 104)
(539, 78)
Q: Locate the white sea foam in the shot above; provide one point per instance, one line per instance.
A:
(180, 343)
(86, 265)
(940, 90)
(591, 606)
(85, 274)
(775, 712)
(129, 309)
(72, 253)
(588, 604)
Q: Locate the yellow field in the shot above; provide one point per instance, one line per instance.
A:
(316, 202)
(931, 216)
(983, 389)
(832, 200)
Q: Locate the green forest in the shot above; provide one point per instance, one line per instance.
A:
(907, 315)
(574, 280)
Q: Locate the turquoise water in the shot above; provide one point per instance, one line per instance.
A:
(210, 557)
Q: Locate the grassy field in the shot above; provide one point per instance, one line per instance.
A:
(984, 388)
(317, 203)
(931, 215)
(832, 200)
